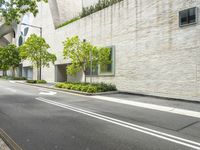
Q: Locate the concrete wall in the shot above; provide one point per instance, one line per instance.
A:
(63, 10)
(153, 54)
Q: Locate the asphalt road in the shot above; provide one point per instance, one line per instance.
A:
(39, 119)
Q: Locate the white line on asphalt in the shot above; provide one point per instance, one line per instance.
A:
(12, 90)
(48, 93)
(174, 110)
(162, 135)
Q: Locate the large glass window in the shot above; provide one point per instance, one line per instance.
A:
(108, 69)
(188, 16)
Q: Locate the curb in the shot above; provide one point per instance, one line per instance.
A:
(8, 141)
(116, 92)
(70, 91)
(163, 97)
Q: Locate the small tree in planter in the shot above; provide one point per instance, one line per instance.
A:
(35, 49)
(79, 53)
(9, 58)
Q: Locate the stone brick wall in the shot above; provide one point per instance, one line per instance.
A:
(153, 54)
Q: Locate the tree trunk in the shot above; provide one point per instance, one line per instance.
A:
(4, 72)
(13, 71)
(84, 72)
(38, 73)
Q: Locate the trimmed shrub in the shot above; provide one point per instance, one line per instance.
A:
(36, 81)
(87, 87)
(41, 82)
(31, 81)
(12, 78)
(92, 89)
(19, 78)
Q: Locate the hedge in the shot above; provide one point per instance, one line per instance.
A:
(87, 87)
(36, 81)
(13, 78)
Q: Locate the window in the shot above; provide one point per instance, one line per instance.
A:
(108, 69)
(188, 16)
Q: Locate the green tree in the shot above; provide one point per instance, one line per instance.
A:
(35, 49)
(9, 58)
(12, 10)
(80, 53)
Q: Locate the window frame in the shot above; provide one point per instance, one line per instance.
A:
(112, 73)
(188, 24)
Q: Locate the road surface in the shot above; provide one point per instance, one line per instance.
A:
(40, 119)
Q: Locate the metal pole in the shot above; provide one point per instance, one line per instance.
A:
(40, 57)
(90, 66)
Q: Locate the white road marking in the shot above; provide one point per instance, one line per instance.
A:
(11, 90)
(48, 93)
(174, 110)
(158, 134)
(12, 81)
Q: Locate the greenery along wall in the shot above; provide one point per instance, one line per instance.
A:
(91, 9)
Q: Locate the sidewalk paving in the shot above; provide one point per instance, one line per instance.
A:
(194, 106)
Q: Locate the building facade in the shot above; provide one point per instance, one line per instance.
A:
(155, 44)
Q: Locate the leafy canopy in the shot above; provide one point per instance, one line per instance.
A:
(79, 54)
(12, 10)
(35, 49)
(9, 57)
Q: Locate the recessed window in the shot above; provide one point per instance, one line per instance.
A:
(188, 16)
(108, 69)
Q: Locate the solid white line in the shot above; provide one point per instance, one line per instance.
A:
(48, 93)
(151, 106)
(168, 137)
(173, 110)
(12, 90)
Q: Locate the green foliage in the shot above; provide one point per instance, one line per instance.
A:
(19, 78)
(86, 87)
(97, 7)
(36, 81)
(86, 11)
(41, 82)
(9, 57)
(31, 81)
(68, 22)
(12, 10)
(79, 54)
(35, 49)
(12, 78)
